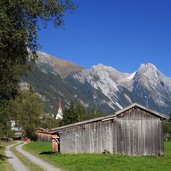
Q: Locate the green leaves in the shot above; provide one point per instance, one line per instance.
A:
(26, 109)
(167, 129)
(18, 33)
(18, 46)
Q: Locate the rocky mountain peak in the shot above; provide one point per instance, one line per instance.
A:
(101, 67)
(148, 70)
(102, 87)
(109, 71)
(148, 73)
(148, 66)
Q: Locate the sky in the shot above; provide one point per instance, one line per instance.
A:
(118, 33)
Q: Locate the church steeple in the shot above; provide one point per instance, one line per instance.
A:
(60, 113)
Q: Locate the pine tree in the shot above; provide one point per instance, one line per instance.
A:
(76, 113)
(80, 112)
(69, 115)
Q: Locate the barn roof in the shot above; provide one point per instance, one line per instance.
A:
(134, 105)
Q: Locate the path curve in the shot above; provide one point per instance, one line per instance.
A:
(13, 160)
(44, 165)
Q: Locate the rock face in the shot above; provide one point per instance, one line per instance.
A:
(101, 87)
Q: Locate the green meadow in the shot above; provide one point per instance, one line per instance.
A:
(101, 162)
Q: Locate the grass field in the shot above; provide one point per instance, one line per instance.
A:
(4, 165)
(101, 162)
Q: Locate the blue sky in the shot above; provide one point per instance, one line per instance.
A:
(118, 33)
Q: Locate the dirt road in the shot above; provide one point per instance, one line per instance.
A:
(13, 160)
(46, 166)
(19, 166)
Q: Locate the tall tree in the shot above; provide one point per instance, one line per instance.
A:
(80, 112)
(92, 113)
(167, 129)
(19, 25)
(26, 110)
(70, 115)
(5, 125)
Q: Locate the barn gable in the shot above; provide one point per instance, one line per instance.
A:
(136, 113)
(135, 109)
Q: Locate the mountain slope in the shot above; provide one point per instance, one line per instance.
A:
(101, 87)
(61, 67)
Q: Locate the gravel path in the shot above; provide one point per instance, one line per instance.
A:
(46, 166)
(13, 160)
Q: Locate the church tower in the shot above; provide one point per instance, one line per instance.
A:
(59, 114)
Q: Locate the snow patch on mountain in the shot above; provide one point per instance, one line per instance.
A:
(111, 105)
(128, 98)
(131, 76)
(120, 107)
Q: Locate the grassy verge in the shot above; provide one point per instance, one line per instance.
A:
(4, 165)
(25, 161)
(98, 162)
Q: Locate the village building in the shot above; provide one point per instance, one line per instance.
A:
(17, 131)
(134, 130)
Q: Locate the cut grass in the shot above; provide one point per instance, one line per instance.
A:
(4, 165)
(98, 162)
(25, 160)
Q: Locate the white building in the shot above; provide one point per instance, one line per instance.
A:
(60, 113)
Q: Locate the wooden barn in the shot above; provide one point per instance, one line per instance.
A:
(44, 135)
(134, 130)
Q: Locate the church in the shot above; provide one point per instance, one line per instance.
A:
(59, 115)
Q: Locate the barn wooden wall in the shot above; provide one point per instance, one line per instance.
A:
(95, 137)
(44, 137)
(134, 132)
(138, 133)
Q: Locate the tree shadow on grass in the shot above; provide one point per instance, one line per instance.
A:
(47, 153)
(4, 157)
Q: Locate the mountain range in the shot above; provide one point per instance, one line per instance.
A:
(101, 87)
